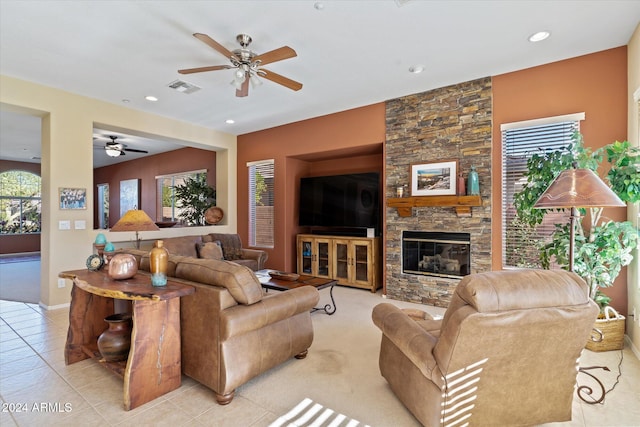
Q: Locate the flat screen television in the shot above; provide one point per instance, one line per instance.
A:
(341, 201)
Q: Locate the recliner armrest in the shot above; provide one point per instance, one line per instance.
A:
(413, 341)
(271, 309)
(259, 255)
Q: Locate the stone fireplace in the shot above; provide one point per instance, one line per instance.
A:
(453, 122)
(436, 253)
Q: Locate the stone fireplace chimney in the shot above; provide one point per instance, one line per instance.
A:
(453, 122)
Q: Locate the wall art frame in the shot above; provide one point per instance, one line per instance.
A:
(434, 178)
(129, 195)
(72, 198)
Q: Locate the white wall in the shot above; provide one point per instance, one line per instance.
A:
(67, 131)
(633, 135)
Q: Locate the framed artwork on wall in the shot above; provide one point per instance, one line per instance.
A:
(434, 179)
(129, 195)
(73, 198)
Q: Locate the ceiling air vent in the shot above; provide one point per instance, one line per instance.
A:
(184, 87)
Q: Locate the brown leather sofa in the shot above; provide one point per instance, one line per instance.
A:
(232, 250)
(505, 353)
(230, 330)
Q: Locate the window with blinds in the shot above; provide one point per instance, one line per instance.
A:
(167, 206)
(261, 225)
(520, 141)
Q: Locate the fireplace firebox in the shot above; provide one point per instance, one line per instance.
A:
(439, 254)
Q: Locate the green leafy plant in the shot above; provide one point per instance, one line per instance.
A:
(194, 197)
(602, 246)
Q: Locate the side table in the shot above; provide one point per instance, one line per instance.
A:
(153, 367)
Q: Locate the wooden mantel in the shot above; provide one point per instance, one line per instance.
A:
(462, 204)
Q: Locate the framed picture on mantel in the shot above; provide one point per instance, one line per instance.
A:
(434, 179)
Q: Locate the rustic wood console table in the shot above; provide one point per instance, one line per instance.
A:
(153, 366)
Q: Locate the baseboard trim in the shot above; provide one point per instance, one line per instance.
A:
(633, 348)
(54, 307)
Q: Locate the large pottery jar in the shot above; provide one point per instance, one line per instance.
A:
(158, 262)
(115, 342)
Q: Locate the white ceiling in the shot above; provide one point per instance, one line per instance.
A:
(350, 53)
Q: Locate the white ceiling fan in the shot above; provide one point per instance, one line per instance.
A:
(115, 149)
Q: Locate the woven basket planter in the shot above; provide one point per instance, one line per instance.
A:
(612, 327)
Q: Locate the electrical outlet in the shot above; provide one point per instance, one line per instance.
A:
(62, 283)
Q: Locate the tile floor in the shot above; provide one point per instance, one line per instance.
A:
(38, 389)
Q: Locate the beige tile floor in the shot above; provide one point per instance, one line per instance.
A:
(38, 389)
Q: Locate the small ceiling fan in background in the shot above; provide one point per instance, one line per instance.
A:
(115, 149)
(248, 64)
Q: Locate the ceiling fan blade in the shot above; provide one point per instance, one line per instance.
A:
(244, 89)
(134, 150)
(279, 54)
(215, 45)
(277, 78)
(202, 69)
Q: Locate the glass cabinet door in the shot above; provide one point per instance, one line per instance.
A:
(341, 260)
(322, 251)
(361, 258)
(305, 256)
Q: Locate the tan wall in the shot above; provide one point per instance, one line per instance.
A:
(633, 96)
(67, 127)
(297, 149)
(595, 84)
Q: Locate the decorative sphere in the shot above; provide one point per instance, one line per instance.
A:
(122, 266)
(109, 247)
(100, 239)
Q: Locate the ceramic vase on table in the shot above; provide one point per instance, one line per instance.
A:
(158, 263)
(115, 342)
(473, 185)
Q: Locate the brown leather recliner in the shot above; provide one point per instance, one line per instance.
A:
(504, 354)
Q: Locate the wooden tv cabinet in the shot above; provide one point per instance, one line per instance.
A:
(153, 367)
(352, 261)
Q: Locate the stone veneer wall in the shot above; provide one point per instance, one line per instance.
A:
(453, 122)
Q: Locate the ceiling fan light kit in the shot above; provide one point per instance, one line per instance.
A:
(115, 149)
(247, 64)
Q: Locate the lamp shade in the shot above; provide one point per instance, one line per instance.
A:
(135, 220)
(580, 188)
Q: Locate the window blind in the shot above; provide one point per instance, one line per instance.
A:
(261, 203)
(518, 145)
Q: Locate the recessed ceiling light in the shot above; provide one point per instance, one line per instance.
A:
(229, 121)
(151, 98)
(539, 36)
(415, 69)
(125, 101)
(318, 5)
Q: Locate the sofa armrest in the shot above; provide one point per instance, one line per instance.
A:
(259, 255)
(271, 309)
(410, 338)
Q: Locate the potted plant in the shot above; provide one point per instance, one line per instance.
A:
(194, 197)
(602, 246)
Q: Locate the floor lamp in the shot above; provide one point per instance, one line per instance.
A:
(579, 188)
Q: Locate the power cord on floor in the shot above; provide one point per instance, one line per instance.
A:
(584, 390)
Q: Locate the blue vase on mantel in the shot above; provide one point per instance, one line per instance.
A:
(473, 184)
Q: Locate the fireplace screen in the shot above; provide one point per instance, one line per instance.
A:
(436, 253)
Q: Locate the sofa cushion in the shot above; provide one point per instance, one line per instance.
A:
(209, 250)
(183, 245)
(231, 244)
(239, 280)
